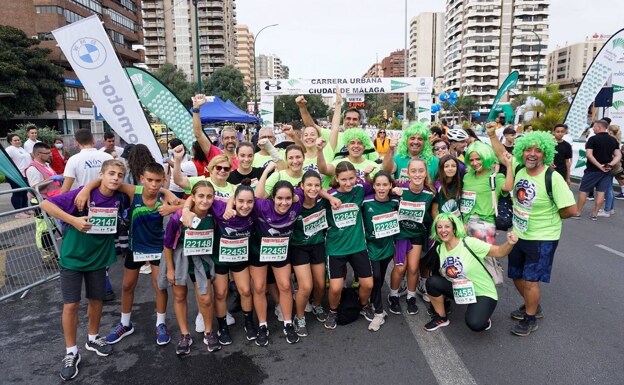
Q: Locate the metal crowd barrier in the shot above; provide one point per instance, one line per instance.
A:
(28, 247)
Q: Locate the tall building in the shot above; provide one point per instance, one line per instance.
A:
(374, 71)
(245, 55)
(393, 65)
(487, 40)
(426, 45)
(37, 18)
(269, 67)
(169, 29)
(567, 65)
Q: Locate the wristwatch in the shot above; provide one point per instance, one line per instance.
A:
(195, 110)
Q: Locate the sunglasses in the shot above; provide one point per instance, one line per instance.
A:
(221, 168)
(440, 148)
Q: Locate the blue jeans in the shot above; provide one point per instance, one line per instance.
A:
(609, 197)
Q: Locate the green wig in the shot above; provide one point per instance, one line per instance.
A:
(486, 153)
(357, 134)
(540, 139)
(458, 226)
(420, 130)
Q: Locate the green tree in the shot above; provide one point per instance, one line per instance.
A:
(464, 106)
(553, 108)
(175, 80)
(286, 109)
(27, 72)
(227, 83)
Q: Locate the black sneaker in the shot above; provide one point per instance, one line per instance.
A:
(250, 331)
(520, 313)
(212, 342)
(99, 346)
(368, 312)
(330, 321)
(412, 308)
(395, 306)
(262, 338)
(291, 335)
(224, 336)
(436, 323)
(184, 345)
(619, 196)
(70, 366)
(524, 327)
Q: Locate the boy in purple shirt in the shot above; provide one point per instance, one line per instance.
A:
(88, 248)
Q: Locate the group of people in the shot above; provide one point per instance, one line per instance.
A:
(250, 219)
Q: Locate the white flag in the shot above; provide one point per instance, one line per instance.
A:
(90, 53)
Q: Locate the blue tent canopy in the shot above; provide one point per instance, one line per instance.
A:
(217, 111)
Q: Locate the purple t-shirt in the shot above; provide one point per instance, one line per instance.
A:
(171, 232)
(66, 201)
(235, 227)
(271, 224)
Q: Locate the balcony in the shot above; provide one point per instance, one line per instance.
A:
(153, 24)
(489, 22)
(149, 5)
(159, 61)
(212, 14)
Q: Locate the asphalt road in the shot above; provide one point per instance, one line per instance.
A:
(578, 342)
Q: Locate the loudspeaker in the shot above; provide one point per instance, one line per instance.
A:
(604, 97)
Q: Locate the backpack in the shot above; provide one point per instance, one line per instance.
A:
(349, 307)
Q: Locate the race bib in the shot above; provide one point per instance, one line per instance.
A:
(463, 291)
(314, 223)
(273, 249)
(412, 211)
(386, 225)
(345, 215)
(234, 250)
(142, 257)
(520, 220)
(198, 242)
(103, 220)
(403, 173)
(468, 200)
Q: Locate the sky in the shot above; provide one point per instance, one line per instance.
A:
(327, 38)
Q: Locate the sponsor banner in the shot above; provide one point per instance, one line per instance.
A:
(163, 103)
(616, 111)
(267, 110)
(424, 108)
(327, 86)
(604, 65)
(92, 57)
(510, 83)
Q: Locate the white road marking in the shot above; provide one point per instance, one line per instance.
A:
(618, 253)
(446, 365)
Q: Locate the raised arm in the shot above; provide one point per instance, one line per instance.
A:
(335, 125)
(303, 110)
(497, 146)
(388, 161)
(260, 193)
(198, 101)
(178, 178)
(509, 176)
(498, 251)
(324, 167)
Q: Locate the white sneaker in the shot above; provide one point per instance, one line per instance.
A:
(199, 323)
(146, 269)
(612, 212)
(229, 319)
(278, 313)
(378, 320)
(308, 308)
(602, 213)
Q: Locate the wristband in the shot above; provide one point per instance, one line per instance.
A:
(195, 110)
(186, 207)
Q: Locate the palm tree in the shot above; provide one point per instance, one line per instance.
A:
(552, 110)
(464, 106)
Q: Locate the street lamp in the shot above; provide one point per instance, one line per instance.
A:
(405, 67)
(199, 82)
(539, 56)
(254, 77)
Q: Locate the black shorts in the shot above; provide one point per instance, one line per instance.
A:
(308, 254)
(420, 240)
(337, 265)
(131, 265)
(254, 260)
(233, 267)
(71, 284)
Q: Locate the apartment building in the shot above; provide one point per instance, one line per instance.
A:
(245, 55)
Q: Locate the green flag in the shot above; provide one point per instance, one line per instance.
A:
(508, 84)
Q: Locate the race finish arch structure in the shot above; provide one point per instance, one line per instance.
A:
(349, 88)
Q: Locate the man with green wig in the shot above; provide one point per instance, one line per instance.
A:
(414, 143)
(357, 141)
(536, 219)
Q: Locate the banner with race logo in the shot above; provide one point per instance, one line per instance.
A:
(616, 111)
(424, 108)
(602, 67)
(509, 83)
(327, 86)
(163, 103)
(267, 110)
(91, 55)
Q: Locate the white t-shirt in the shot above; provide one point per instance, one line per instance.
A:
(28, 145)
(118, 150)
(34, 176)
(85, 166)
(20, 157)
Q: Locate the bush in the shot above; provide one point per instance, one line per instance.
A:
(45, 134)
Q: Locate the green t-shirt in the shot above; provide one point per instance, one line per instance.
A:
(360, 167)
(401, 163)
(263, 160)
(276, 177)
(221, 193)
(450, 205)
(341, 147)
(459, 263)
(477, 196)
(414, 212)
(313, 231)
(373, 216)
(535, 216)
(345, 234)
